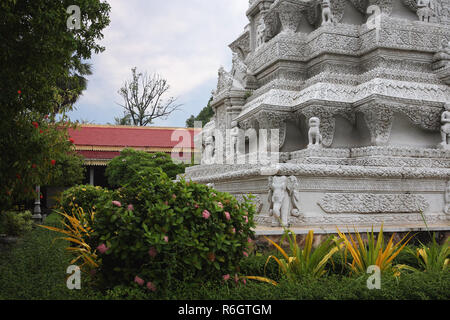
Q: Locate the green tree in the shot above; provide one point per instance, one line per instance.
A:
(43, 68)
(122, 169)
(204, 116)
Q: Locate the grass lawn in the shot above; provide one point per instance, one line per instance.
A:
(35, 268)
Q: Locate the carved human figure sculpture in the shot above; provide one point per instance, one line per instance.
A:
(425, 10)
(209, 150)
(327, 15)
(234, 134)
(284, 199)
(314, 136)
(445, 129)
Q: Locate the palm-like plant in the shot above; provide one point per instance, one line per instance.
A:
(432, 258)
(301, 262)
(373, 251)
(77, 229)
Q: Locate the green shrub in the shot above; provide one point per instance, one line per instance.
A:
(174, 230)
(15, 223)
(81, 196)
(122, 169)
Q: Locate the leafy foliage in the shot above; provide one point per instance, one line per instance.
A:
(77, 230)
(122, 169)
(81, 196)
(432, 257)
(15, 223)
(160, 230)
(301, 262)
(204, 116)
(373, 251)
(42, 75)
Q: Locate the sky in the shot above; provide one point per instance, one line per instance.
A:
(184, 41)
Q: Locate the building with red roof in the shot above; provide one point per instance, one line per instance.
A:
(98, 144)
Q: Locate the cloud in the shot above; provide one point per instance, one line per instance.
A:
(184, 41)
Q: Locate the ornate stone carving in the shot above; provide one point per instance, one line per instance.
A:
(283, 198)
(238, 70)
(361, 5)
(425, 10)
(257, 201)
(271, 22)
(273, 120)
(337, 9)
(260, 33)
(340, 70)
(379, 119)
(289, 15)
(385, 5)
(327, 15)
(327, 119)
(367, 203)
(445, 129)
(241, 45)
(314, 136)
(224, 82)
(208, 154)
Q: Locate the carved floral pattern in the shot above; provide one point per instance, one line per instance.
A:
(365, 203)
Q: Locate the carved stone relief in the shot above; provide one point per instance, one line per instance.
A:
(284, 199)
(368, 203)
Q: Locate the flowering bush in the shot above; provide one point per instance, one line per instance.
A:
(156, 230)
(81, 196)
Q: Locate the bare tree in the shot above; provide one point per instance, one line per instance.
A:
(146, 106)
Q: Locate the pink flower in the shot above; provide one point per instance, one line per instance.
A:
(233, 230)
(130, 207)
(151, 286)
(102, 248)
(139, 281)
(206, 214)
(227, 215)
(196, 206)
(226, 277)
(220, 205)
(249, 240)
(152, 252)
(246, 219)
(174, 196)
(166, 238)
(245, 254)
(117, 203)
(244, 281)
(213, 194)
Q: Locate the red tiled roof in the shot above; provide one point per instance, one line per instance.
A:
(125, 136)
